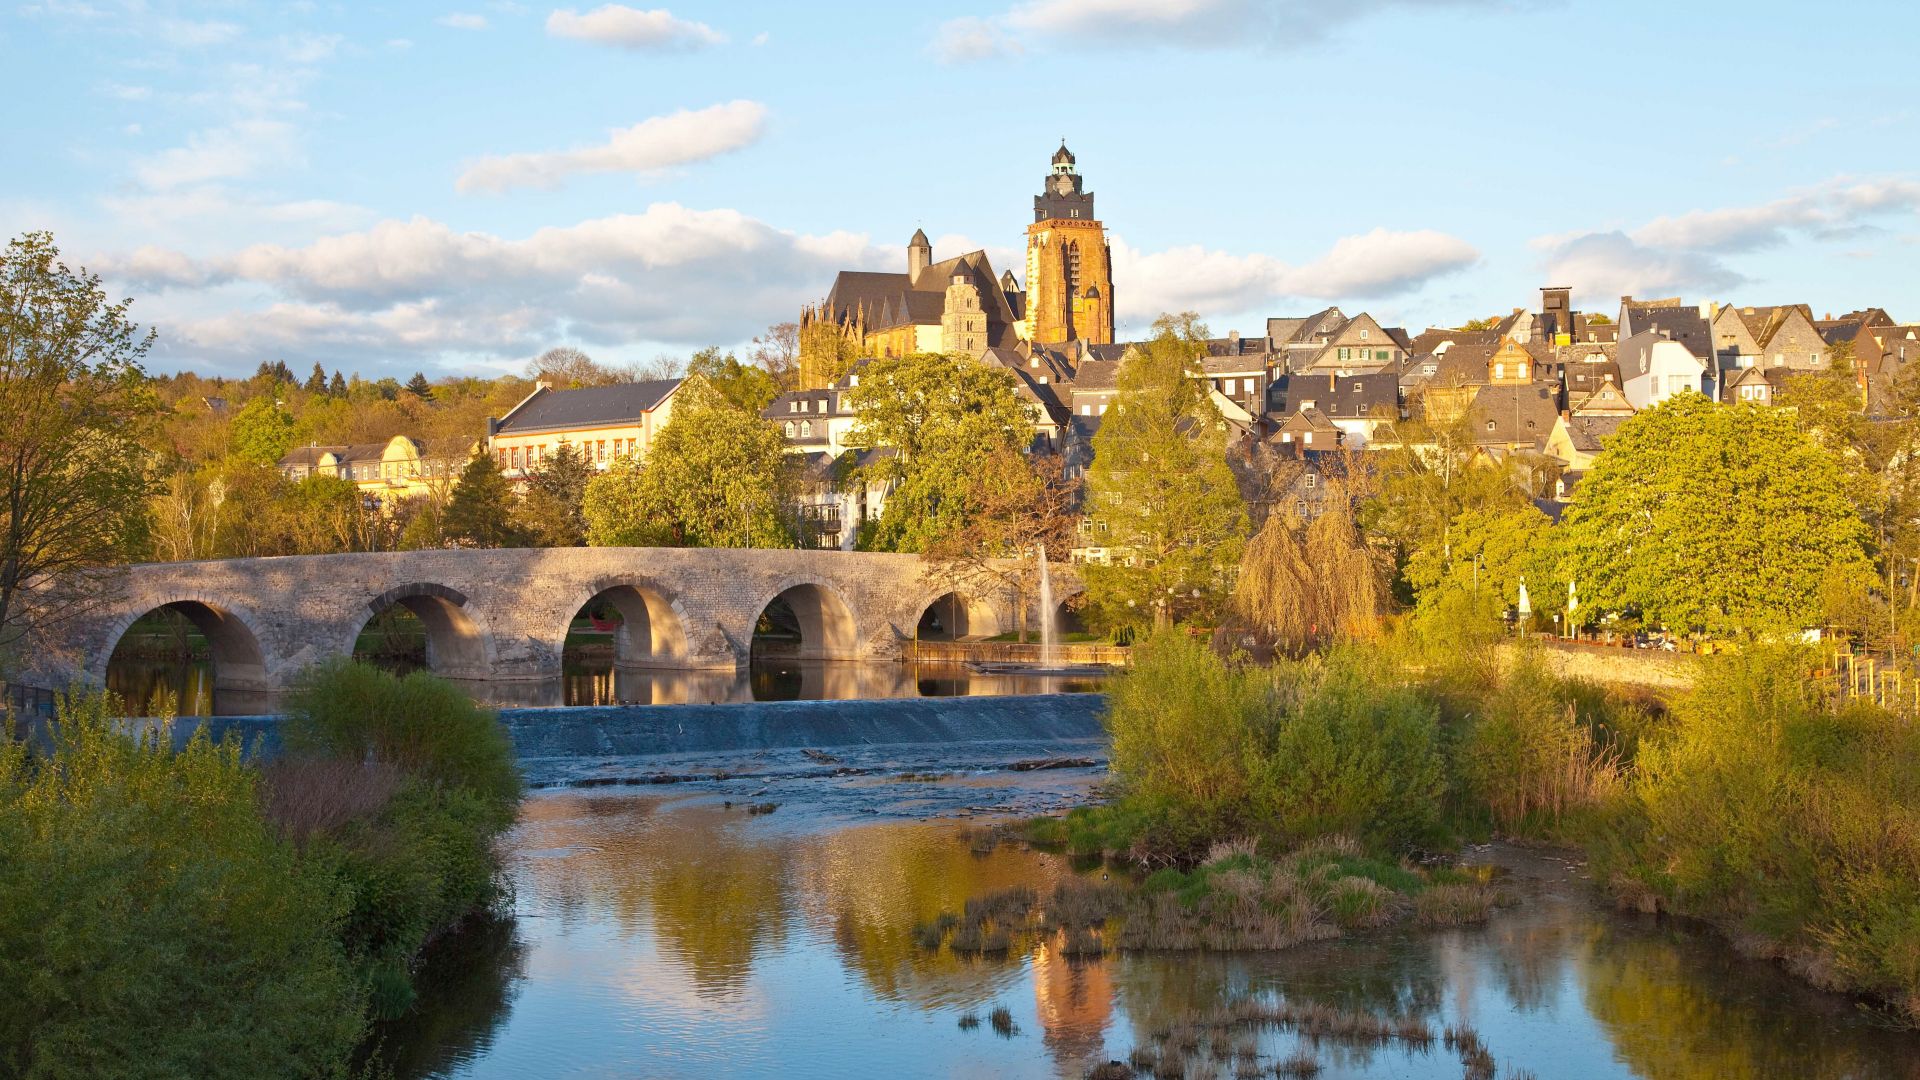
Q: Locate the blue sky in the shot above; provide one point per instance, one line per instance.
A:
(453, 188)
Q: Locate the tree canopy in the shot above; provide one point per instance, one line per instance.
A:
(74, 400)
(1715, 518)
(940, 419)
(1160, 495)
(715, 476)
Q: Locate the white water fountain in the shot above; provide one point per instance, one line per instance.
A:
(1047, 628)
(849, 530)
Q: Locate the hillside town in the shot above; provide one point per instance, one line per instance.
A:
(1302, 398)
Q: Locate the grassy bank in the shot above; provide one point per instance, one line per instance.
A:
(189, 914)
(1750, 800)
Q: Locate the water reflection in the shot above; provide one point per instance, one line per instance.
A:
(682, 937)
(598, 681)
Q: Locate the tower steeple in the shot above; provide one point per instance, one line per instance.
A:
(1069, 295)
(919, 254)
(1061, 195)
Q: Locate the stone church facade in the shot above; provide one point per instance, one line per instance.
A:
(960, 306)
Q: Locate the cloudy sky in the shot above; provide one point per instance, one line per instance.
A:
(452, 189)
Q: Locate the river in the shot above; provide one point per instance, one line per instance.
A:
(672, 931)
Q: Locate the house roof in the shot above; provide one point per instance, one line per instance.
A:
(1587, 432)
(588, 407)
(1343, 397)
(1096, 376)
(309, 455)
(1513, 414)
(1677, 323)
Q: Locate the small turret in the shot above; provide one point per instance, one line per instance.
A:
(919, 254)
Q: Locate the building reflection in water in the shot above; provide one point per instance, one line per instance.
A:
(681, 937)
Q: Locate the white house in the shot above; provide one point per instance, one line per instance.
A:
(1654, 367)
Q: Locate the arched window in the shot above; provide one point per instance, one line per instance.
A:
(806, 429)
(1073, 268)
(789, 429)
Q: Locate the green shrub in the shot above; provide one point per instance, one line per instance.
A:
(1527, 757)
(153, 924)
(1205, 749)
(1352, 750)
(420, 723)
(1771, 810)
(417, 858)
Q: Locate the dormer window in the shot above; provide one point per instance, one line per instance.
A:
(806, 429)
(789, 429)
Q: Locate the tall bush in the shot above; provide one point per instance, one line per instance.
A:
(153, 924)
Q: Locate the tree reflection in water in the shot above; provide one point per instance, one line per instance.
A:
(676, 936)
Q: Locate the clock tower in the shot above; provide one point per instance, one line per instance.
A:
(1069, 265)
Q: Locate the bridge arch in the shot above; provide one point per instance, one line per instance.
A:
(821, 620)
(956, 615)
(458, 645)
(653, 621)
(239, 660)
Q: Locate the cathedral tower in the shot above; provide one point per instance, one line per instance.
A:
(1069, 265)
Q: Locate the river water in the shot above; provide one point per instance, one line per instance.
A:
(669, 931)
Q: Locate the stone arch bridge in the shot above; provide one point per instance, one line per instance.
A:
(504, 614)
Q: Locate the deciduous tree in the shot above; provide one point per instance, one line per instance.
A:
(715, 476)
(1713, 518)
(1160, 495)
(74, 401)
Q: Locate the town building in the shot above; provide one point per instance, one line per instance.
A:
(602, 423)
(388, 471)
(1782, 336)
(960, 306)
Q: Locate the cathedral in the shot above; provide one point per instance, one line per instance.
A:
(958, 305)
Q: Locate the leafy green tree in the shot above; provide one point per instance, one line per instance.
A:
(1465, 587)
(715, 476)
(1715, 519)
(317, 382)
(942, 418)
(74, 401)
(1305, 583)
(480, 512)
(550, 513)
(748, 387)
(419, 387)
(1160, 493)
(262, 432)
(1428, 475)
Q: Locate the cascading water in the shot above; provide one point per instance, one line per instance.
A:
(849, 528)
(1046, 611)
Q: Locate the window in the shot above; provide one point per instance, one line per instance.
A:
(1086, 410)
(1382, 355)
(1356, 388)
(517, 452)
(1813, 359)
(1343, 354)
(789, 429)
(806, 429)
(1499, 371)
(1489, 425)
(503, 457)
(1312, 481)
(1363, 333)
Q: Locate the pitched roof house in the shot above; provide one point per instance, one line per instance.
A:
(601, 422)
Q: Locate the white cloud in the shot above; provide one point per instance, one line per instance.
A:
(661, 142)
(461, 20)
(1836, 208)
(1684, 253)
(306, 48)
(121, 92)
(227, 152)
(399, 44)
(417, 291)
(969, 39)
(1372, 265)
(1609, 264)
(760, 38)
(190, 34)
(632, 28)
(1202, 24)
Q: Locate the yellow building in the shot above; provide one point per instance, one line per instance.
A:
(389, 471)
(1069, 295)
(602, 423)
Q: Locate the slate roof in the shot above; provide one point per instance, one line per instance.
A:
(1586, 432)
(1516, 414)
(1097, 376)
(1341, 397)
(1432, 337)
(592, 406)
(1682, 324)
(309, 455)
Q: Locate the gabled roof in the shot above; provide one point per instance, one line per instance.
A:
(1097, 376)
(1677, 323)
(592, 406)
(310, 456)
(1513, 414)
(1587, 433)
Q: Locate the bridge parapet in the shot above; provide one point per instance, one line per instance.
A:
(504, 614)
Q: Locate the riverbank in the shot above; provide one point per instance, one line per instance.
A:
(662, 931)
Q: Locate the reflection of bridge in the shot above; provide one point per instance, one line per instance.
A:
(504, 614)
